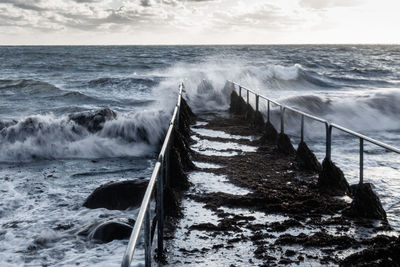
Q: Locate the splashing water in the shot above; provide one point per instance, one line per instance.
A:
(71, 123)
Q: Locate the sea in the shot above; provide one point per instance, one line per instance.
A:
(50, 161)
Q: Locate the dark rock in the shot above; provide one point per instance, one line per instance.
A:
(186, 117)
(270, 134)
(172, 203)
(238, 105)
(366, 204)
(110, 230)
(181, 144)
(185, 109)
(387, 255)
(331, 180)
(319, 239)
(283, 226)
(117, 196)
(306, 158)
(290, 253)
(353, 189)
(258, 121)
(284, 144)
(93, 121)
(249, 114)
(178, 179)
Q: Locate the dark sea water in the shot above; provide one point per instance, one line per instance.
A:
(49, 163)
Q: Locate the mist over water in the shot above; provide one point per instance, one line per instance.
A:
(73, 118)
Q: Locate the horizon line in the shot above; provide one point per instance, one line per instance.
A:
(227, 44)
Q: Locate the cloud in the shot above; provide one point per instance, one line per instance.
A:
(321, 4)
(188, 21)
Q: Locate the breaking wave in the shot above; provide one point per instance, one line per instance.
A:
(373, 112)
(99, 134)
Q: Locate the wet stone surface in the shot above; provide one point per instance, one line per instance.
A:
(251, 205)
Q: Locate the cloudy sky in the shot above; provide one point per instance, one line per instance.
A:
(198, 21)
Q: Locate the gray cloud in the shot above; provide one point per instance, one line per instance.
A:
(23, 4)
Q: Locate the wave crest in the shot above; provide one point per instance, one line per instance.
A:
(87, 135)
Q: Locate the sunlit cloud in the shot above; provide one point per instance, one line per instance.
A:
(197, 21)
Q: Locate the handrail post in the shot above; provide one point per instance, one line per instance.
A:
(160, 211)
(147, 239)
(361, 161)
(302, 129)
(240, 90)
(268, 111)
(248, 96)
(257, 101)
(282, 120)
(328, 127)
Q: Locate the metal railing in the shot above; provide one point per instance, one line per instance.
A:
(328, 126)
(159, 176)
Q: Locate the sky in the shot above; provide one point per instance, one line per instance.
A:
(130, 22)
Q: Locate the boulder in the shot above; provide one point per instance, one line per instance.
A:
(109, 230)
(366, 204)
(331, 180)
(284, 144)
(306, 158)
(117, 195)
(93, 121)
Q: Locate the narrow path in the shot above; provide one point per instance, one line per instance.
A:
(250, 205)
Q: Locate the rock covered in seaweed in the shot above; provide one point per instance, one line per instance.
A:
(331, 180)
(117, 195)
(270, 134)
(366, 204)
(284, 144)
(306, 158)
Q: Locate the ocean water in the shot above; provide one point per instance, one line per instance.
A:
(50, 161)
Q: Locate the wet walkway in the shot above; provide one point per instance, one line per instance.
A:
(251, 205)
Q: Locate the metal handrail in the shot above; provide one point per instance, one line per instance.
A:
(328, 126)
(159, 174)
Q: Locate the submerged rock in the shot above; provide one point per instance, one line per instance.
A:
(306, 158)
(366, 204)
(109, 230)
(331, 180)
(94, 121)
(117, 196)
